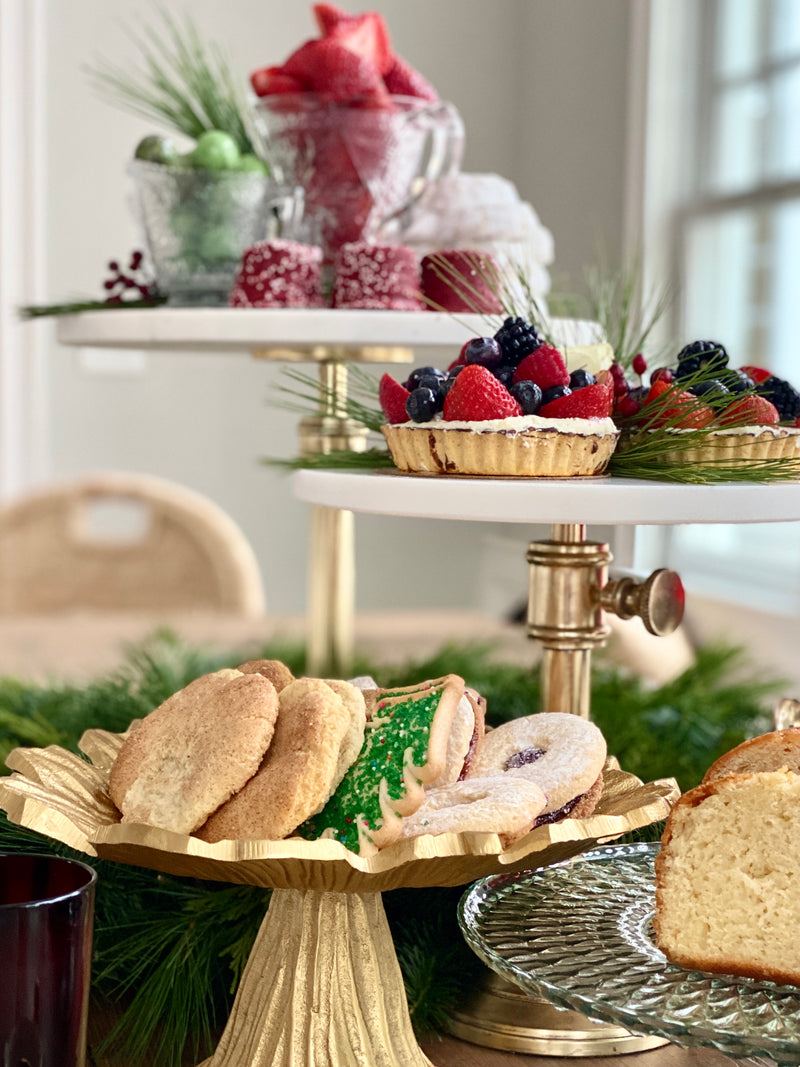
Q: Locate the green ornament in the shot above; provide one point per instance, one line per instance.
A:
(156, 149)
(252, 164)
(216, 150)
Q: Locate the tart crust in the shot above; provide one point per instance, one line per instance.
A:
(534, 453)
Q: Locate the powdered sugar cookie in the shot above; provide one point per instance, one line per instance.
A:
(405, 746)
(563, 754)
(194, 751)
(501, 804)
(466, 737)
(298, 773)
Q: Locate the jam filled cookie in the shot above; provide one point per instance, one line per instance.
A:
(563, 754)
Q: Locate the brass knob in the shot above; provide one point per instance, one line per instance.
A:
(659, 600)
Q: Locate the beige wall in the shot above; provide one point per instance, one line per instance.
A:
(541, 85)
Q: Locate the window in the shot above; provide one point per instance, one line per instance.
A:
(722, 218)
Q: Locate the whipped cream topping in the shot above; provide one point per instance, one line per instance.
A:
(517, 424)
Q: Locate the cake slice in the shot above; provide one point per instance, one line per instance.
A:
(728, 878)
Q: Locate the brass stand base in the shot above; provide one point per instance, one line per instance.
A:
(501, 1016)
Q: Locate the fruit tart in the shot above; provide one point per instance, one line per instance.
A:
(506, 407)
(707, 413)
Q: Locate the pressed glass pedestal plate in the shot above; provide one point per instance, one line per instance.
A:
(322, 986)
(579, 933)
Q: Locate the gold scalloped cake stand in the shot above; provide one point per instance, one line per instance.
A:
(322, 986)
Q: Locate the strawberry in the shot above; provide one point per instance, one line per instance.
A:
(591, 402)
(545, 366)
(675, 409)
(392, 396)
(750, 411)
(367, 36)
(329, 16)
(403, 80)
(757, 374)
(269, 80)
(332, 69)
(478, 396)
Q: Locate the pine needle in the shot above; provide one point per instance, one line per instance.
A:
(170, 951)
(185, 84)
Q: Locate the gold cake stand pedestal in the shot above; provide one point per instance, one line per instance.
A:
(322, 986)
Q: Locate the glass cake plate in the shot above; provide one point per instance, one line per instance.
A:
(579, 934)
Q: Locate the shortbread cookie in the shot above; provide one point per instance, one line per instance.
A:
(501, 804)
(298, 773)
(767, 752)
(563, 754)
(353, 700)
(466, 737)
(194, 751)
(405, 746)
(277, 672)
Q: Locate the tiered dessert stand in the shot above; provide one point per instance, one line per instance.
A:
(323, 986)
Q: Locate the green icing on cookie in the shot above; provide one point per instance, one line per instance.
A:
(397, 736)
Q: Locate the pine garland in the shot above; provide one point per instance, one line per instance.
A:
(170, 951)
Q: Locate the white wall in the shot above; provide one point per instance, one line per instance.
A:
(541, 87)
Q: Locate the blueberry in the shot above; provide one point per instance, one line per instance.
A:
(554, 392)
(579, 379)
(422, 405)
(504, 374)
(736, 381)
(422, 372)
(485, 351)
(429, 381)
(528, 395)
(709, 387)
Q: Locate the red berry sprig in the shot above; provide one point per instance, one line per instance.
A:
(133, 283)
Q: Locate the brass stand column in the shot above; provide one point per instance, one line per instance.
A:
(569, 593)
(331, 553)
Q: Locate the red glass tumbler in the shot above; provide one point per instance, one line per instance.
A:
(46, 926)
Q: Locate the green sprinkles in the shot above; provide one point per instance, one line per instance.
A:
(399, 735)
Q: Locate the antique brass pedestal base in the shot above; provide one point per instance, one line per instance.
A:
(501, 1016)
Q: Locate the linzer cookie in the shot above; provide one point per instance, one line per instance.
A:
(196, 749)
(300, 770)
(405, 746)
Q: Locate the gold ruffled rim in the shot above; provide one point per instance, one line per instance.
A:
(63, 796)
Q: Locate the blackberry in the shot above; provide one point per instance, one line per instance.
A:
(701, 356)
(517, 339)
(783, 395)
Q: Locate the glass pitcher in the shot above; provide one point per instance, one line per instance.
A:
(360, 166)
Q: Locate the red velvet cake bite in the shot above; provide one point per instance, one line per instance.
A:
(279, 274)
(377, 277)
(459, 280)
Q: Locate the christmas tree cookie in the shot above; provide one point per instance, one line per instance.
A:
(405, 746)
